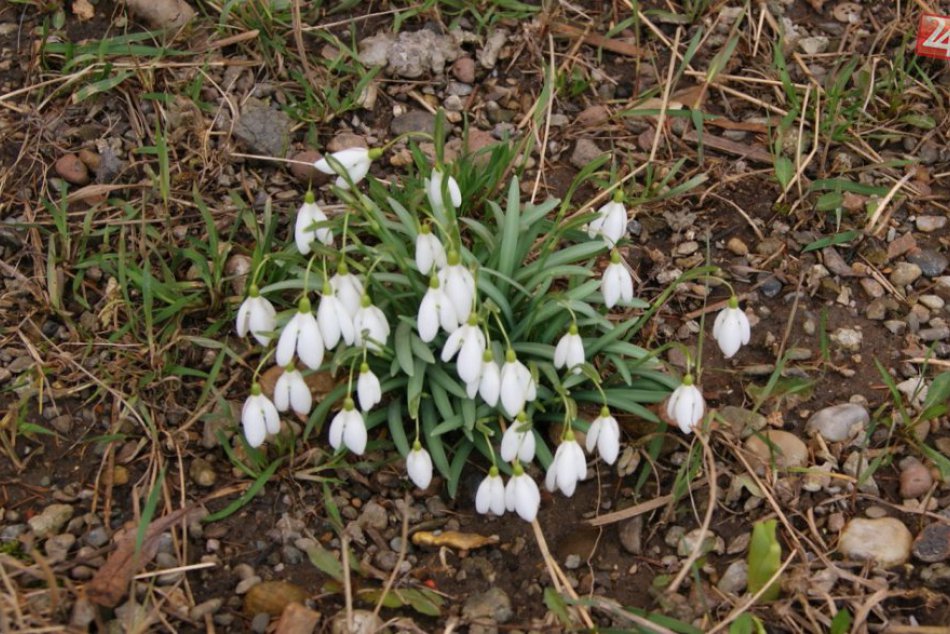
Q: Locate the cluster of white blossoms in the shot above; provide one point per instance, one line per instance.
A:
(346, 315)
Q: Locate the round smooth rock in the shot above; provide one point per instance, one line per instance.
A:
(885, 540)
(303, 170)
(838, 423)
(786, 449)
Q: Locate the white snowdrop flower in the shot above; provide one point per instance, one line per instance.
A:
(305, 231)
(490, 495)
(489, 381)
(522, 495)
(256, 316)
(436, 310)
(419, 466)
(348, 429)
(568, 467)
(334, 319)
(616, 282)
(517, 385)
(259, 417)
(569, 352)
(368, 390)
(610, 223)
(370, 326)
(291, 392)
(686, 405)
(348, 288)
(604, 434)
(352, 162)
(429, 251)
(731, 329)
(469, 342)
(301, 335)
(434, 191)
(458, 284)
(518, 441)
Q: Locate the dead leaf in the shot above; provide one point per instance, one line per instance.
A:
(453, 539)
(112, 580)
(83, 10)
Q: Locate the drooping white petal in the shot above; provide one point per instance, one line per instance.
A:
(253, 420)
(282, 391)
(429, 253)
(452, 344)
(459, 287)
(309, 341)
(263, 320)
(305, 233)
(608, 441)
(560, 352)
(419, 467)
(428, 318)
(287, 342)
(370, 328)
(368, 390)
(354, 432)
(489, 385)
(349, 290)
(686, 407)
(257, 316)
(336, 430)
(301, 400)
(517, 444)
(243, 322)
(335, 322)
(616, 285)
(354, 162)
(469, 363)
(512, 395)
(522, 496)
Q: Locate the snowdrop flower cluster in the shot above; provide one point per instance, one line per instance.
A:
(466, 352)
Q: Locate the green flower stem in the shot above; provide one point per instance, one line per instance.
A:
(501, 327)
(306, 276)
(260, 364)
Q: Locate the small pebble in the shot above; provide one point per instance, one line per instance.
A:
(929, 224)
(933, 543)
(872, 287)
(931, 263)
(464, 70)
(904, 273)
(915, 480)
(838, 423)
(72, 169)
(847, 338)
(737, 246)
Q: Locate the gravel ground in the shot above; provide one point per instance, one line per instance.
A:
(823, 422)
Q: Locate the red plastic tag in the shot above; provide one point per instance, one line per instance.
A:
(933, 36)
